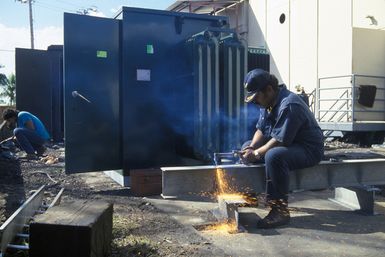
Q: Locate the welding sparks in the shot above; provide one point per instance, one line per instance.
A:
(223, 184)
(224, 227)
(226, 193)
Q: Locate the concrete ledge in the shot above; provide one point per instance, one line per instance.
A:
(181, 182)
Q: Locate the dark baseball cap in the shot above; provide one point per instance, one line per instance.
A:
(255, 81)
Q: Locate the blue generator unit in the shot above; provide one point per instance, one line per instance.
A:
(150, 87)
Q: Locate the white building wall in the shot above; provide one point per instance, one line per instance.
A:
(364, 8)
(278, 36)
(369, 59)
(368, 51)
(257, 24)
(335, 38)
(323, 39)
(303, 44)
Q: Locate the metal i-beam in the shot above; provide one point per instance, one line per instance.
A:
(14, 225)
(181, 182)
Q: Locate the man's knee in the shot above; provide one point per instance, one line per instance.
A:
(17, 131)
(276, 154)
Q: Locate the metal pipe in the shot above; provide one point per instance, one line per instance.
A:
(18, 247)
(217, 92)
(22, 235)
(334, 99)
(57, 199)
(332, 88)
(353, 96)
(369, 76)
(318, 100)
(228, 7)
(335, 77)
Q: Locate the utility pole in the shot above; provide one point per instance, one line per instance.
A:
(31, 23)
(30, 20)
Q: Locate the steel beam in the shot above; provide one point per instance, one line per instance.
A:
(195, 181)
(15, 224)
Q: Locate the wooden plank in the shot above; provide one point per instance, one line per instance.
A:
(145, 182)
(76, 229)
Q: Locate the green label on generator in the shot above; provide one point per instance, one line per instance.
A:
(101, 54)
(150, 49)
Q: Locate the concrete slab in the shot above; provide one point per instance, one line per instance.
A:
(319, 227)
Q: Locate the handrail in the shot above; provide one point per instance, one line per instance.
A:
(351, 95)
(347, 94)
(339, 109)
(312, 96)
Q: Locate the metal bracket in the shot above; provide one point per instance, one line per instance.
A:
(357, 198)
(228, 212)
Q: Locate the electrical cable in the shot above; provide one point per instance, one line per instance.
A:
(51, 7)
(75, 5)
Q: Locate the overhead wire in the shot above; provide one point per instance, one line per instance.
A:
(65, 2)
(51, 7)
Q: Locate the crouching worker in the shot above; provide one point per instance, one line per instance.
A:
(30, 132)
(287, 137)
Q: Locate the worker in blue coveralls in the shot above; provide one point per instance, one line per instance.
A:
(30, 132)
(287, 137)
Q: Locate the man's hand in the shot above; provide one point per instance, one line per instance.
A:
(248, 155)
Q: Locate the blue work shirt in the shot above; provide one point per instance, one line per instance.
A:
(23, 117)
(291, 122)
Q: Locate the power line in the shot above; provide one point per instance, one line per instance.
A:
(52, 7)
(75, 5)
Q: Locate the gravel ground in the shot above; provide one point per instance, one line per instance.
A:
(139, 229)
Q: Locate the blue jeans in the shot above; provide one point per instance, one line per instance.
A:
(279, 161)
(28, 139)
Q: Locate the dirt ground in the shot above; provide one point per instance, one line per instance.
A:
(139, 229)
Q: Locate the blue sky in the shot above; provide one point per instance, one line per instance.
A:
(50, 12)
(48, 22)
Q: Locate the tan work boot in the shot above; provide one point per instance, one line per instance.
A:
(279, 215)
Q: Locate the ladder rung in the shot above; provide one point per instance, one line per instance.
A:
(19, 247)
(22, 235)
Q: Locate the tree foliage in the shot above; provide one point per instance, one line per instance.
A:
(9, 87)
(3, 79)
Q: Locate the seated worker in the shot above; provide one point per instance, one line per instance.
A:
(30, 132)
(287, 137)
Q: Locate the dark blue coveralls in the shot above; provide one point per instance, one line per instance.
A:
(291, 123)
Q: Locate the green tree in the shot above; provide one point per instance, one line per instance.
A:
(9, 87)
(3, 79)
